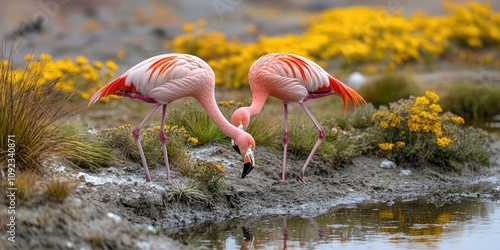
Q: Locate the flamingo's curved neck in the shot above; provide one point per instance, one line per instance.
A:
(258, 102)
(208, 102)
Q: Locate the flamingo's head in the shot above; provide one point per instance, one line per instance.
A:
(241, 117)
(244, 144)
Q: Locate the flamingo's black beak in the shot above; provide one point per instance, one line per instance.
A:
(248, 162)
(235, 146)
(233, 143)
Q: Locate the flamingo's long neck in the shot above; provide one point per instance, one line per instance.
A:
(209, 103)
(257, 105)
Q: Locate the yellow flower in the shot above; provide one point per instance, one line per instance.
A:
(435, 108)
(421, 100)
(400, 144)
(45, 57)
(193, 140)
(414, 123)
(29, 57)
(111, 65)
(386, 146)
(219, 168)
(395, 121)
(433, 97)
(187, 27)
(223, 103)
(379, 114)
(98, 65)
(443, 142)
(85, 95)
(457, 120)
(81, 60)
(384, 124)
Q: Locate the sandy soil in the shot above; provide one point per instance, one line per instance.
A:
(117, 209)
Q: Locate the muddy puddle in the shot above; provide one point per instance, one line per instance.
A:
(461, 223)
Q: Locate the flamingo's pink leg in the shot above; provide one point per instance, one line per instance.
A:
(163, 140)
(286, 138)
(318, 142)
(135, 133)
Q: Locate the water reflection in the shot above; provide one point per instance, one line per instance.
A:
(400, 225)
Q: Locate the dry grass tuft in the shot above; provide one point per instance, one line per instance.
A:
(60, 189)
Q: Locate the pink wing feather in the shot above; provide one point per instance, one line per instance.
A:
(314, 78)
(162, 78)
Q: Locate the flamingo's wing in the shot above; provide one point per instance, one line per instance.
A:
(163, 78)
(308, 73)
(314, 78)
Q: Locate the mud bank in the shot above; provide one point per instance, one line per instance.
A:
(117, 209)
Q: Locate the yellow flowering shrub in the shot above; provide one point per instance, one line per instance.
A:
(415, 130)
(209, 175)
(371, 37)
(73, 76)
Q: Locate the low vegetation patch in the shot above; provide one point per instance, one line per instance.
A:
(476, 101)
(415, 130)
(59, 189)
(389, 88)
(185, 191)
(178, 141)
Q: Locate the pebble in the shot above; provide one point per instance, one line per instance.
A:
(388, 164)
(405, 172)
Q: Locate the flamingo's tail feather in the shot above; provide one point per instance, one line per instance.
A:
(114, 86)
(346, 93)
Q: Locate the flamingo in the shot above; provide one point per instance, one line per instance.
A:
(291, 78)
(165, 78)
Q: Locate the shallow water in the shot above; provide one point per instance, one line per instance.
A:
(465, 223)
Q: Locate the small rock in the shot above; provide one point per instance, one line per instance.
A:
(114, 217)
(388, 164)
(404, 172)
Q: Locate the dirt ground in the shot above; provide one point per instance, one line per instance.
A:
(117, 209)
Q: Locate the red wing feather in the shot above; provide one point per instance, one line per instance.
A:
(117, 85)
(300, 64)
(161, 65)
(345, 92)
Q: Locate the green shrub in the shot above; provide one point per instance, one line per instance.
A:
(178, 141)
(477, 101)
(30, 113)
(414, 130)
(389, 88)
(209, 175)
(187, 191)
(196, 122)
(85, 150)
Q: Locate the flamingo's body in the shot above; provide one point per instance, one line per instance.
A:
(291, 78)
(165, 78)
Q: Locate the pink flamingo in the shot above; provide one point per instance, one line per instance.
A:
(291, 78)
(165, 78)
